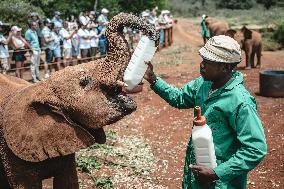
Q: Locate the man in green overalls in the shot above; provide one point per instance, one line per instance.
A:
(230, 111)
(204, 29)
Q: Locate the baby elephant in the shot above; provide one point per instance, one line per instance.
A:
(250, 42)
(43, 125)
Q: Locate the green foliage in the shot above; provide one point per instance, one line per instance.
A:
(269, 43)
(279, 33)
(267, 3)
(104, 183)
(236, 4)
(86, 164)
(16, 12)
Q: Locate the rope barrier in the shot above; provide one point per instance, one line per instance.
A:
(168, 41)
(62, 61)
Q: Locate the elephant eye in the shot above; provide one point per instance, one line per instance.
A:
(85, 81)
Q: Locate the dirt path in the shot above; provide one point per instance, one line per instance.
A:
(165, 130)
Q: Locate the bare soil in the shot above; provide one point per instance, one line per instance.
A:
(166, 129)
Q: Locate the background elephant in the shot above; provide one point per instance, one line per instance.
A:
(43, 125)
(251, 42)
(216, 27)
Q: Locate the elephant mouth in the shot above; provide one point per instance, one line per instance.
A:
(118, 100)
(98, 134)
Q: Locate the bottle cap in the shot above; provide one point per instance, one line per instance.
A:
(199, 120)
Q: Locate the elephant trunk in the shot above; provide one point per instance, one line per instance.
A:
(119, 53)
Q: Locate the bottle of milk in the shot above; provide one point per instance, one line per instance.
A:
(203, 141)
(136, 68)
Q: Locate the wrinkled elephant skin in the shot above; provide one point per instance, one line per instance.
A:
(43, 125)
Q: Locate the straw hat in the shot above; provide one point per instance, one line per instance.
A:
(222, 49)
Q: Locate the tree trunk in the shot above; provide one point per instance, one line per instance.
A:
(95, 5)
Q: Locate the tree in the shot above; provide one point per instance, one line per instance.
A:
(236, 4)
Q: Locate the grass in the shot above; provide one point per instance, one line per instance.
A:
(87, 164)
(126, 159)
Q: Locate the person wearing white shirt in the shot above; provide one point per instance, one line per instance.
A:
(85, 42)
(67, 45)
(94, 41)
(4, 53)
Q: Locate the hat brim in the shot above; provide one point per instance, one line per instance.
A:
(208, 55)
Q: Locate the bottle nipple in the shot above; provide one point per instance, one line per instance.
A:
(199, 120)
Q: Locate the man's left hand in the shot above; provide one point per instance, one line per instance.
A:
(204, 175)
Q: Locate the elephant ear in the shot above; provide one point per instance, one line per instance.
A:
(35, 132)
(231, 33)
(247, 33)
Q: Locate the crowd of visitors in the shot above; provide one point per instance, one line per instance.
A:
(64, 41)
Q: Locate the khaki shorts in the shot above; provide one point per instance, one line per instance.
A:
(67, 53)
(4, 64)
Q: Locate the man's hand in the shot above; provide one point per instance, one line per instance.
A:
(149, 74)
(204, 175)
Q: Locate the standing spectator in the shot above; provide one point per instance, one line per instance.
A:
(72, 22)
(103, 16)
(162, 26)
(18, 45)
(4, 53)
(35, 18)
(102, 21)
(102, 39)
(46, 32)
(75, 41)
(32, 38)
(83, 18)
(56, 20)
(67, 45)
(55, 48)
(153, 17)
(85, 44)
(204, 29)
(94, 40)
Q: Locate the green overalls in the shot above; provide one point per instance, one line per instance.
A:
(237, 131)
(204, 30)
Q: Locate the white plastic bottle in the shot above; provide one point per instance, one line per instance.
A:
(203, 141)
(136, 68)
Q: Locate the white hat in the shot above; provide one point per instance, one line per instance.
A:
(203, 16)
(221, 48)
(165, 12)
(104, 11)
(145, 14)
(16, 28)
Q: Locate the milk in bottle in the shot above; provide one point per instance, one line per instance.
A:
(202, 141)
(136, 68)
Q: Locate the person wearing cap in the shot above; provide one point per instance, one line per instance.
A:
(230, 112)
(102, 18)
(48, 44)
(56, 20)
(204, 29)
(4, 53)
(19, 44)
(32, 37)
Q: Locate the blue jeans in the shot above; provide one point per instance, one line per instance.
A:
(103, 46)
(162, 36)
